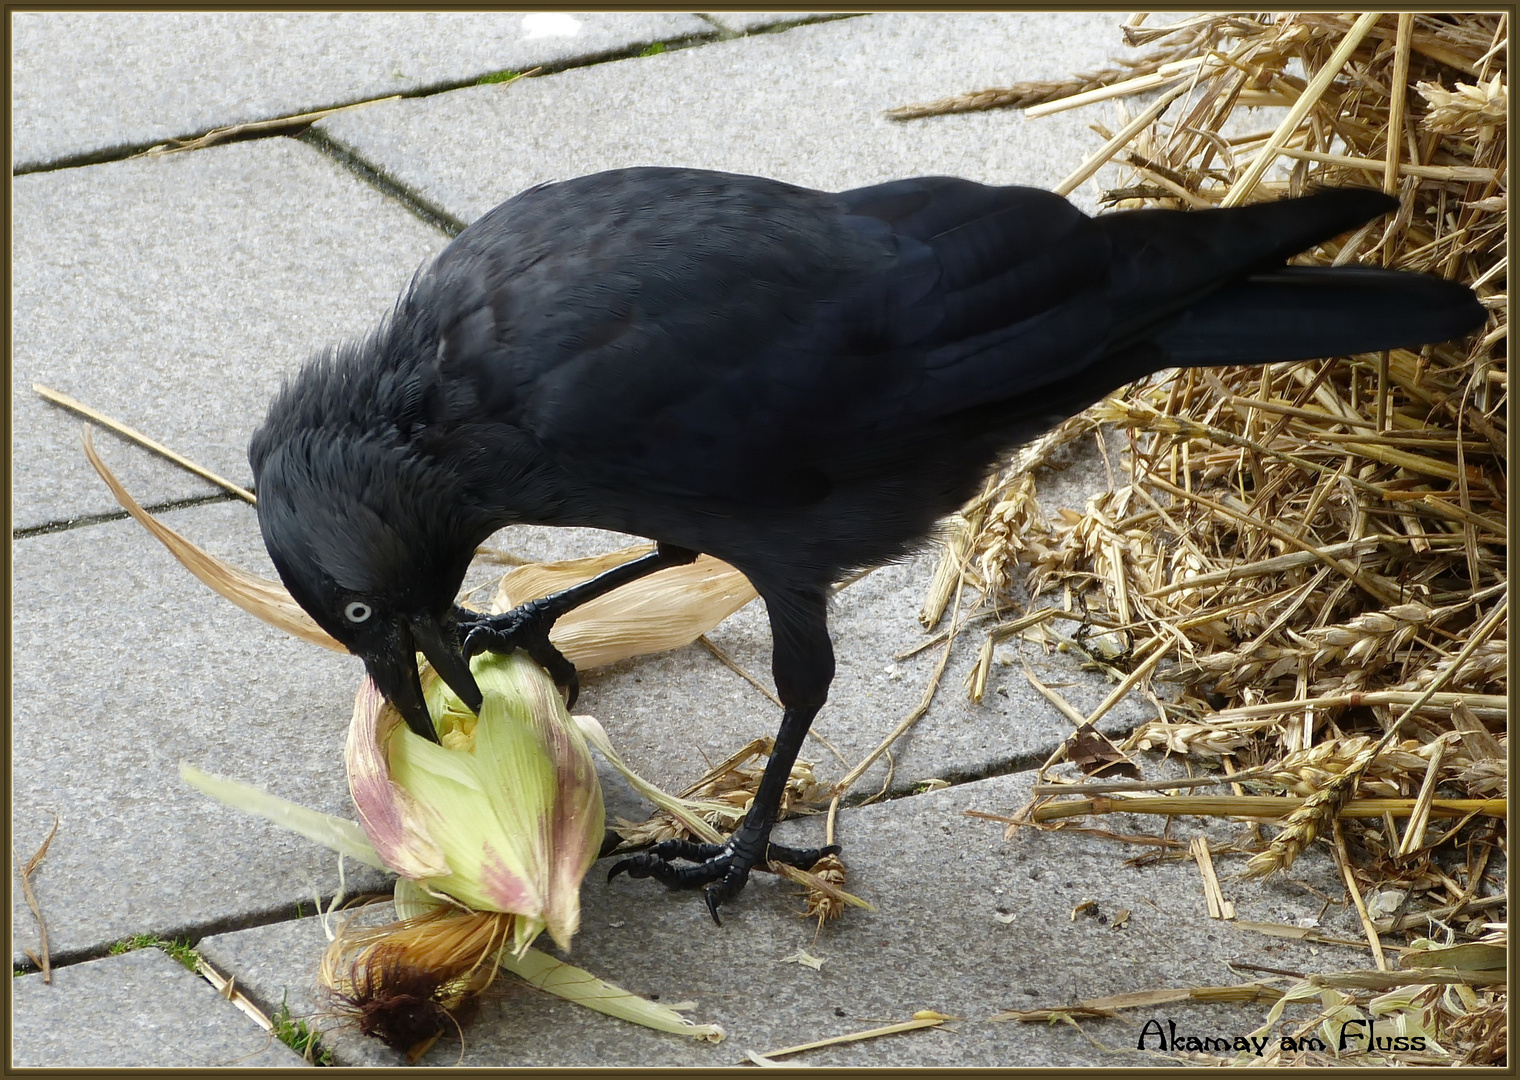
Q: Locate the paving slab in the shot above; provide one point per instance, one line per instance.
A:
(967, 924)
(89, 83)
(805, 106)
(137, 1010)
(124, 666)
(174, 293)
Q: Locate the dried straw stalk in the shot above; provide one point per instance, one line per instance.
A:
(1319, 549)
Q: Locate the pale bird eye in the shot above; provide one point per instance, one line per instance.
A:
(357, 612)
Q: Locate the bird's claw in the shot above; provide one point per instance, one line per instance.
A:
(722, 869)
(525, 627)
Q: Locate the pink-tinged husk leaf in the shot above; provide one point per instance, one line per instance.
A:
(388, 814)
(256, 595)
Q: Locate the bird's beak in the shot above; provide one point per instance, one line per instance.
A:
(395, 671)
(448, 659)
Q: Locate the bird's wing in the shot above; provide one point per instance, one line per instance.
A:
(721, 336)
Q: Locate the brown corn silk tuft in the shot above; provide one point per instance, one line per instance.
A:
(409, 982)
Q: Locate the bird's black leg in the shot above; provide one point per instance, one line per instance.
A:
(803, 665)
(527, 626)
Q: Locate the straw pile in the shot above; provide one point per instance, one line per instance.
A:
(1317, 550)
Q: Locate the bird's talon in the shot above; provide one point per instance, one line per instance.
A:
(527, 628)
(722, 870)
(802, 858)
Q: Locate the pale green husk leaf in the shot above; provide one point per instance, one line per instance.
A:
(344, 837)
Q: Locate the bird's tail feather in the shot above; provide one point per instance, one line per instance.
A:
(1305, 312)
(1163, 260)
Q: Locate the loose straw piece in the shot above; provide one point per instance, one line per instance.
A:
(1145, 999)
(1064, 707)
(1306, 101)
(1425, 172)
(1414, 831)
(848, 780)
(278, 123)
(1490, 703)
(43, 961)
(1399, 88)
(142, 440)
(1175, 69)
(1122, 138)
(923, 1019)
(1142, 669)
(1219, 907)
(229, 991)
(1256, 806)
(1343, 860)
(1384, 591)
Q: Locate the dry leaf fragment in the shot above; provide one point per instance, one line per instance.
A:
(1092, 751)
(662, 611)
(803, 957)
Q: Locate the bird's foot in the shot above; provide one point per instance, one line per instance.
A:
(525, 627)
(722, 869)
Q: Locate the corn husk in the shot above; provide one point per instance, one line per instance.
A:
(410, 981)
(509, 818)
(636, 618)
(665, 610)
(413, 980)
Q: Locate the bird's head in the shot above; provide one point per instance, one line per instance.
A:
(366, 537)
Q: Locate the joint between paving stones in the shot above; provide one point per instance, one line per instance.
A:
(723, 32)
(301, 129)
(191, 933)
(383, 182)
(86, 520)
(297, 127)
(955, 777)
(781, 26)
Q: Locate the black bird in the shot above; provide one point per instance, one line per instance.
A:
(798, 382)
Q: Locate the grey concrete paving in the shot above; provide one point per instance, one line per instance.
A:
(174, 292)
(137, 1010)
(84, 83)
(805, 106)
(125, 666)
(967, 924)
